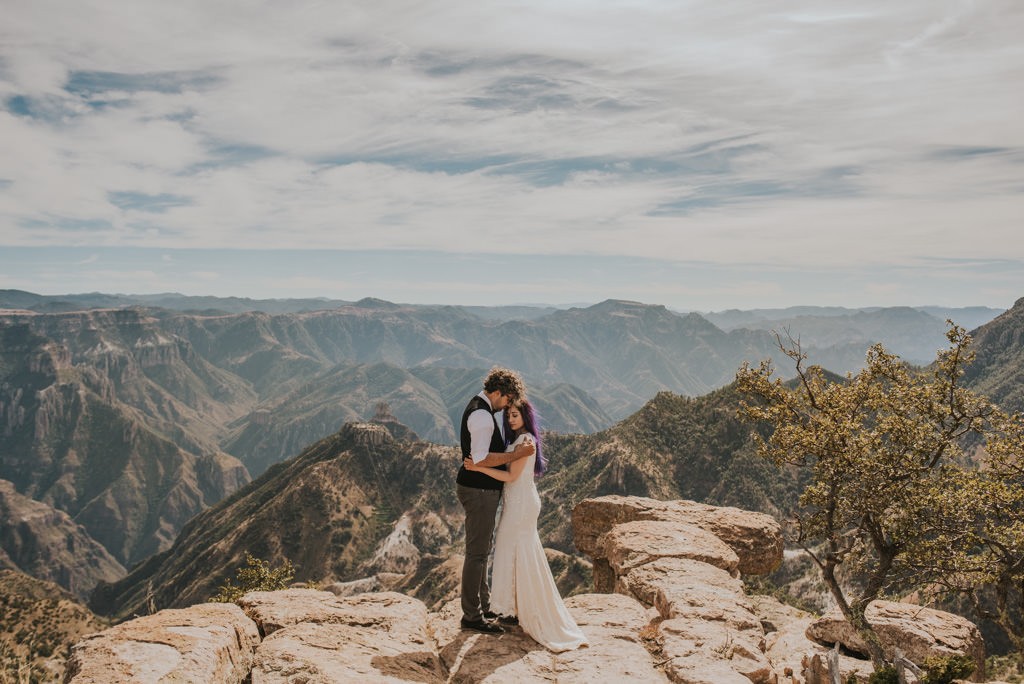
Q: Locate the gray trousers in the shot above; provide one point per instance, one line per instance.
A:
(481, 506)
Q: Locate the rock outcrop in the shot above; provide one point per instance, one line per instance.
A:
(212, 642)
(755, 538)
(673, 610)
(683, 559)
(918, 632)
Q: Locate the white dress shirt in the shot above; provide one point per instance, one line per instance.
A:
(481, 429)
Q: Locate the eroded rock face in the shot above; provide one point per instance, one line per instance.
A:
(49, 545)
(756, 538)
(212, 642)
(675, 612)
(918, 632)
(665, 555)
(634, 544)
(319, 637)
(386, 611)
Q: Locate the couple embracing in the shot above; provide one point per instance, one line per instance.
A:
(499, 466)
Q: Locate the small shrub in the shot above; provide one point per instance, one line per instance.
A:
(257, 575)
(887, 675)
(943, 670)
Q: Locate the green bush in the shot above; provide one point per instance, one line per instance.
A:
(943, 670)
(257, 575)
(887, 675)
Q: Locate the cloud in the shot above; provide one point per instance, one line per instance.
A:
(755, 132)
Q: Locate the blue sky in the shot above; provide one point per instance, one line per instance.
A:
(703, 155)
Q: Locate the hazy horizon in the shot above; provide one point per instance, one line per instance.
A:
(512, 304)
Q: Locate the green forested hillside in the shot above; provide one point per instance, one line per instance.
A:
(674, 447)
(998, 369)
(38, 624)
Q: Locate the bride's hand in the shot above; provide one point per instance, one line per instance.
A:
(468, 464)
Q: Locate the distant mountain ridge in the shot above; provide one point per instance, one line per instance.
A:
(998, 368)
(132, 420)
(915, 333)
(868, 324)
(76, 435)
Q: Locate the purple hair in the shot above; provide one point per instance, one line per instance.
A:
(531, 424)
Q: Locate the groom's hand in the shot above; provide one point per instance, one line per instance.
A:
(499, 459)
(523, 450)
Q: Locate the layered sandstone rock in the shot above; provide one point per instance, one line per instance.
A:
(675, 611)
(918, 632)
(317, 636)
(756, 538)
(684, 559)
(211, 643)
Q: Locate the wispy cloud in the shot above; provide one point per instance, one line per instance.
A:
(775, 131)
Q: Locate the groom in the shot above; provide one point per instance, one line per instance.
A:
(479, 494)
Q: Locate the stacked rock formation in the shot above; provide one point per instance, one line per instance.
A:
(668, 607)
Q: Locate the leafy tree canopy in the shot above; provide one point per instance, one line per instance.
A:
(913, 479)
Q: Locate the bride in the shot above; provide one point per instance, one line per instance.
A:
(522, 586)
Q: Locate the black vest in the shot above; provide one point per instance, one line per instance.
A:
(468, 478)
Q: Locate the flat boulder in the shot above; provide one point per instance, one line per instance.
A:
(339, 652)
(208, 642)
(613, 624)
(317, 636)
(698, 651)
(274, 610)
(918, 632)
(630, 545)
(756, 538)
(708, 631)
(682, 587)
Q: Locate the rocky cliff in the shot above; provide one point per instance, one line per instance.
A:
(354, 504)
(361, 502)
(68, 440)
(676, 612)
(47, 544)
(998, 369)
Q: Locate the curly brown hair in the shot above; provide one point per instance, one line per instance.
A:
(507, 382)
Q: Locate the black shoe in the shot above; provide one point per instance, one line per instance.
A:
(482, 626)
(510, 620)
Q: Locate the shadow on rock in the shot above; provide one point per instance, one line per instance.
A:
(473, 657)
(418, 666)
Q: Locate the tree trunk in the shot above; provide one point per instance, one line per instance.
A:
(855, 616)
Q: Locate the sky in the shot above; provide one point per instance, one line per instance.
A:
(701, 154)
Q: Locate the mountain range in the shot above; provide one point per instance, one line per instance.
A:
(133, 420)
(367, 500)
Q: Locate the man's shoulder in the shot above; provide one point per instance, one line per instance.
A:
(478, 403)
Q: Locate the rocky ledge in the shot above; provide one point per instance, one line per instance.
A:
(670, 607)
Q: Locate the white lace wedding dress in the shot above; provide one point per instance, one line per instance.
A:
(521, 581)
